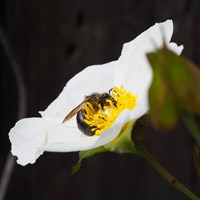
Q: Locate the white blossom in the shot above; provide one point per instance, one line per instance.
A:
(30, 137)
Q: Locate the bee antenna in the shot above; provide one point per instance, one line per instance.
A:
(110, 90)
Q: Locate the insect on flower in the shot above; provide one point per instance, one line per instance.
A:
(94, 102)
(96, 112)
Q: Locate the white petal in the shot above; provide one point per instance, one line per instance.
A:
(175, 48)
(31, 137)
(149, 40)
(26, 138)
(70, 139)
(97, 78)
(136, 73)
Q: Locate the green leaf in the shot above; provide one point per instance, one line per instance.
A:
(175, 87)
(87, 154)
(183, 80)
(163, 109)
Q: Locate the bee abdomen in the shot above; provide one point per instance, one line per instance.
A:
(83, 127)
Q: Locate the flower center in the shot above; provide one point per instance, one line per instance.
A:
(102, 118)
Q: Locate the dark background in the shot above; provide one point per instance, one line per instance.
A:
(52, 41)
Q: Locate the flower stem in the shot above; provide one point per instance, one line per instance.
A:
(192, 126)
(161, 170)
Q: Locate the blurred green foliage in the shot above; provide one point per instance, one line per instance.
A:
(175, 88)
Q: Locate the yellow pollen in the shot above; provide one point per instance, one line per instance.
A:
(102, 118)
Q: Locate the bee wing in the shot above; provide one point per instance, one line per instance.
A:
(73, 112)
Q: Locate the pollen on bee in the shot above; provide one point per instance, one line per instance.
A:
(102, 118)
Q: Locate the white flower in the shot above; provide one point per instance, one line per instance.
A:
(30, 137)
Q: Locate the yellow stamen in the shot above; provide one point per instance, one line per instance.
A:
(104, 118)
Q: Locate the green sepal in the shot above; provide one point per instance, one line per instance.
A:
(123, 142)
(86, 154)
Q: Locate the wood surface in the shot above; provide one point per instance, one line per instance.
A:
(52, 41)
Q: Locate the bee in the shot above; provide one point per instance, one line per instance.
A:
(95, 99)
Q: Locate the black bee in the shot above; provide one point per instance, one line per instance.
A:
(95, 99)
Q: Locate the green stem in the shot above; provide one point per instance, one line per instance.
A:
(162, 171)
(192, 126)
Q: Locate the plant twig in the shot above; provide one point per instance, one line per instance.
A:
(161, 170)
